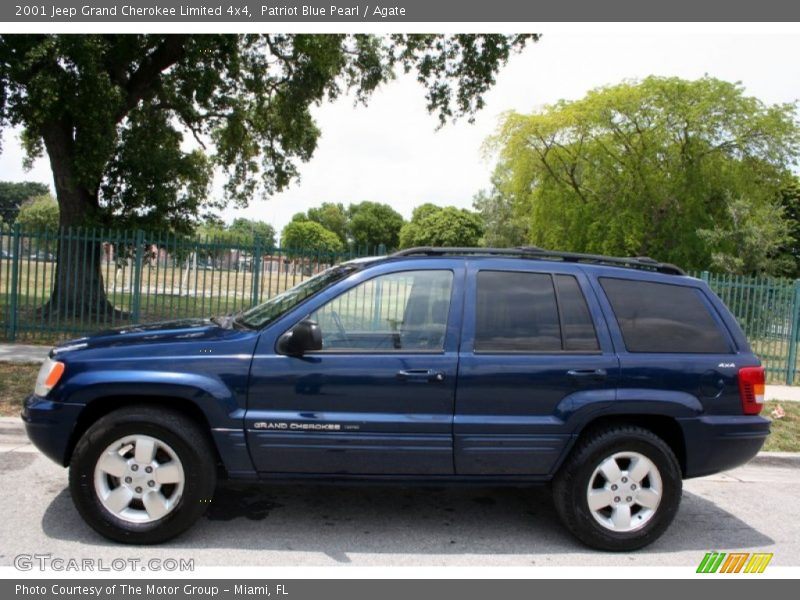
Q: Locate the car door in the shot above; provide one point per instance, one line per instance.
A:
(530, 354)
(378, 398)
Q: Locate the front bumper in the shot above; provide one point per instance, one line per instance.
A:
(717, 443)
(50, 425)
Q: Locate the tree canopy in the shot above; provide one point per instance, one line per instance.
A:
(248, 231)
(114, 111)
(135, 126)
(372, 224)
(505, 224)
(366, 224)
(39, 214)
(304, 236)
(242, 232)
(14, 193)
(644, 168)
(332, 217)
(432, 225)
(790, 201)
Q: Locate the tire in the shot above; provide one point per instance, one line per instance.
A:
(615, 527)
(166, 499)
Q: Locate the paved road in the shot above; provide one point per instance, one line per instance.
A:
(753, 508)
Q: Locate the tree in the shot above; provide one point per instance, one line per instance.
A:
(112, 113)
(790, 201)
(247, 232)
(442, 226)
(640, 167)
(39, 214)
(372, 224)
(219, 240)
(38, 217)
(304, 238)
(503, 226)
(332, 217)
(753, 242)
(14, 193)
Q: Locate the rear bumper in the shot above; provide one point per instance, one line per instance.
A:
(49, 426)
(721, 442)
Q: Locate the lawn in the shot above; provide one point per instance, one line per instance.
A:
(785, 433)
(16, 382)
(17, 379)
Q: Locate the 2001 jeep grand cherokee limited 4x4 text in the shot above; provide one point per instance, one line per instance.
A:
(613, 379)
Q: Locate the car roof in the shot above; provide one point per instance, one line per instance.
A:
(642, 263)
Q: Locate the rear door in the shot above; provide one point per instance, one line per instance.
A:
(530, 354)
(671, 339)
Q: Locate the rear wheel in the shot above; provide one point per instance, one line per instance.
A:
(620, 488)
(142, 475)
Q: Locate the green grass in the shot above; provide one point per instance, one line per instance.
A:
(785, 432)
(16, 382)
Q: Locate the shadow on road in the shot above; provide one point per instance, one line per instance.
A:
(337, 520)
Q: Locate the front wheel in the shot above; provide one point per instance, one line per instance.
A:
(142, 475)
(620, 488)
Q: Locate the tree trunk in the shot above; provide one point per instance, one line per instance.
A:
(78, 289)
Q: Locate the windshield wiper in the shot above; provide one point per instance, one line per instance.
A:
(236, 321)
(224, 322)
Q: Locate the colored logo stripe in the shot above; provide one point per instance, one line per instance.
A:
(736, 562)
(758, 563)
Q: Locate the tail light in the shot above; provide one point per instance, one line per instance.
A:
(751, 389)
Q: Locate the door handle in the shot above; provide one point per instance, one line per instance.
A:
(587, 374)
(422, 375)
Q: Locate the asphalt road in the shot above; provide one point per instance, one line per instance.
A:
(753, 508)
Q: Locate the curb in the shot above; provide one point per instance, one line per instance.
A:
(777, 459)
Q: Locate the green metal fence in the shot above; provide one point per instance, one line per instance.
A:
(154, 277)
(143, 277)
(768, 310)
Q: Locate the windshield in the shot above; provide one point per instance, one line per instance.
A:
(258, 316)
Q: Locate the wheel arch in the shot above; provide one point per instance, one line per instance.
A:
(665, 427)
(104, 405)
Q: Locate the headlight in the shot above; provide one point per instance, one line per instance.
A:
(49, 374)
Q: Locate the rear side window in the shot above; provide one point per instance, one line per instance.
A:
(531, 312)
(659, 317)
(576, 321)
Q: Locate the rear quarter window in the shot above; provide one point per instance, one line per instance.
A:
(660, 317)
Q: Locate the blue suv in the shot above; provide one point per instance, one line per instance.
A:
(611, 379)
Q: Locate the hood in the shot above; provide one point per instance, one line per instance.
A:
(168, 332)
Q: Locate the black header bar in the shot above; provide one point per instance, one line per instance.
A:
(353, 11)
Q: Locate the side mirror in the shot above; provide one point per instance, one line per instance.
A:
(304, 337)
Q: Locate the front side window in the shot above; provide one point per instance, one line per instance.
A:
(659, 317)
(259, 316)
(398, 312)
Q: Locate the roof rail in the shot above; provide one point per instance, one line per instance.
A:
(644, 263)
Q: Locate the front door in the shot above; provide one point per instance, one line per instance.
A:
(379, 397)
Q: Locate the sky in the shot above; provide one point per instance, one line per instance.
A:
(392, 152)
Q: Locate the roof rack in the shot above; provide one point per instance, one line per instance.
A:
(644, 263)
